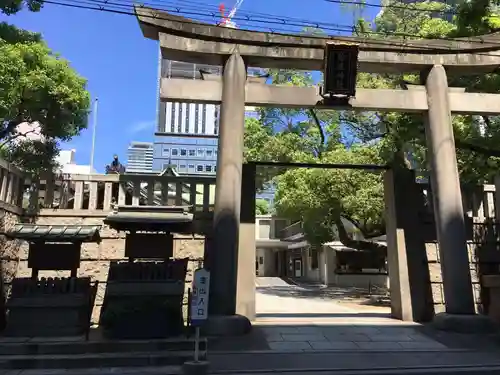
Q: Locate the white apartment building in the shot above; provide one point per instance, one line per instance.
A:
(140, 157)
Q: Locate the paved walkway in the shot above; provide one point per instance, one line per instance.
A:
(304, 330)
(298, 318)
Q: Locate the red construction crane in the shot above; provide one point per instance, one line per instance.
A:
(226, 20)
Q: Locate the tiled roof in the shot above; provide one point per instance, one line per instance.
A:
(150, 218)
(56, 233)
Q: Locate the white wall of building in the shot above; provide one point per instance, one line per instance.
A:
(67, 165)
(140, 157)
(191, 118)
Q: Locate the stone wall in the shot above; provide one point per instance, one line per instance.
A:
(9, 258)
(437, 281)
(95, 258)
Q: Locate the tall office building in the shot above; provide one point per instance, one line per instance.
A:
(186, 136)
(140, 157)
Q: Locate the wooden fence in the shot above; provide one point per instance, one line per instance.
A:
(97, 193)
(12, 186)
(479, 202)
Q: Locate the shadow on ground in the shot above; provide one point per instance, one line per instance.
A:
(362, 296)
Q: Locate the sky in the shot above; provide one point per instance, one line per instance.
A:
(121, 66)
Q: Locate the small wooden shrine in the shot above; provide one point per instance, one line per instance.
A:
(60, 306)
(144, 295)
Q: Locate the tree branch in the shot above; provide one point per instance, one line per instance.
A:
(477, 149)
(321, 132)
(15, 136)
(357, 244)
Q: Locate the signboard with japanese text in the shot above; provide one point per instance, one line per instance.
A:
(340, 70)
(199, 296)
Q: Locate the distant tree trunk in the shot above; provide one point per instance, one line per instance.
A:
(361, 245)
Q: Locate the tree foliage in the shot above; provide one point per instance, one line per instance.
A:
(13, 6)
(40, 88)
(261, 207)
(320, 197)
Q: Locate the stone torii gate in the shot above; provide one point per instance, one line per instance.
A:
(232, 289)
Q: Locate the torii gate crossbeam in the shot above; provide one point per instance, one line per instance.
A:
(262, 95)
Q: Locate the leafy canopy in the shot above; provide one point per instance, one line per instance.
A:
(13, 6)
(39, 88)
(261, 207)
(319, 197)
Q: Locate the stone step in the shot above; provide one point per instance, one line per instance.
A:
(96, 360)
(176, 370)
(355, 361)
(159, 370)
(62, 346)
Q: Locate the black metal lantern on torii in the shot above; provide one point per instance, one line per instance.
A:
(340, 71)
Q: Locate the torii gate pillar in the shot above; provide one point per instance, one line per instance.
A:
(222, 254)
(448, 208)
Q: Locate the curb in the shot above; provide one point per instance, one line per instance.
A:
(375, 371)
(215, 353)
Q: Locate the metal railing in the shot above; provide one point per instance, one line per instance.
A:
(290, 231)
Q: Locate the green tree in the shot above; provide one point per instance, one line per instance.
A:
(261, 207)
(13, 6)
(320, 197)
(476, 137)
(315, 196)
(37, 87)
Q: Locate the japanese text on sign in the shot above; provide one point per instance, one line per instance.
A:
(199, 296)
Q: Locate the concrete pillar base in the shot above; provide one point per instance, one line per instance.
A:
(195, 368)
(226, 325)
(473, 323)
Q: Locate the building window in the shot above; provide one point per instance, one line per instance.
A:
(175, 152)
(217, 120)
(208, 168)
(172, 118)
(182, 168)
(196, 118)
(209, 153)
(199, 168)
(166, 152)
(200, 152)
(204, 120)
(279, 225)
(191, 167)
(313, 253)
(192, 152)
(183, 152)
(179, 118)
(215, 168)
(188, 115)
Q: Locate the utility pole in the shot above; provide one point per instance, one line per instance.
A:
(94, 124)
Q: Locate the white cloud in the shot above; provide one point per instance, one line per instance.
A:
(141, 126)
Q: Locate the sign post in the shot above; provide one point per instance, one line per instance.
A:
(199, 305)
